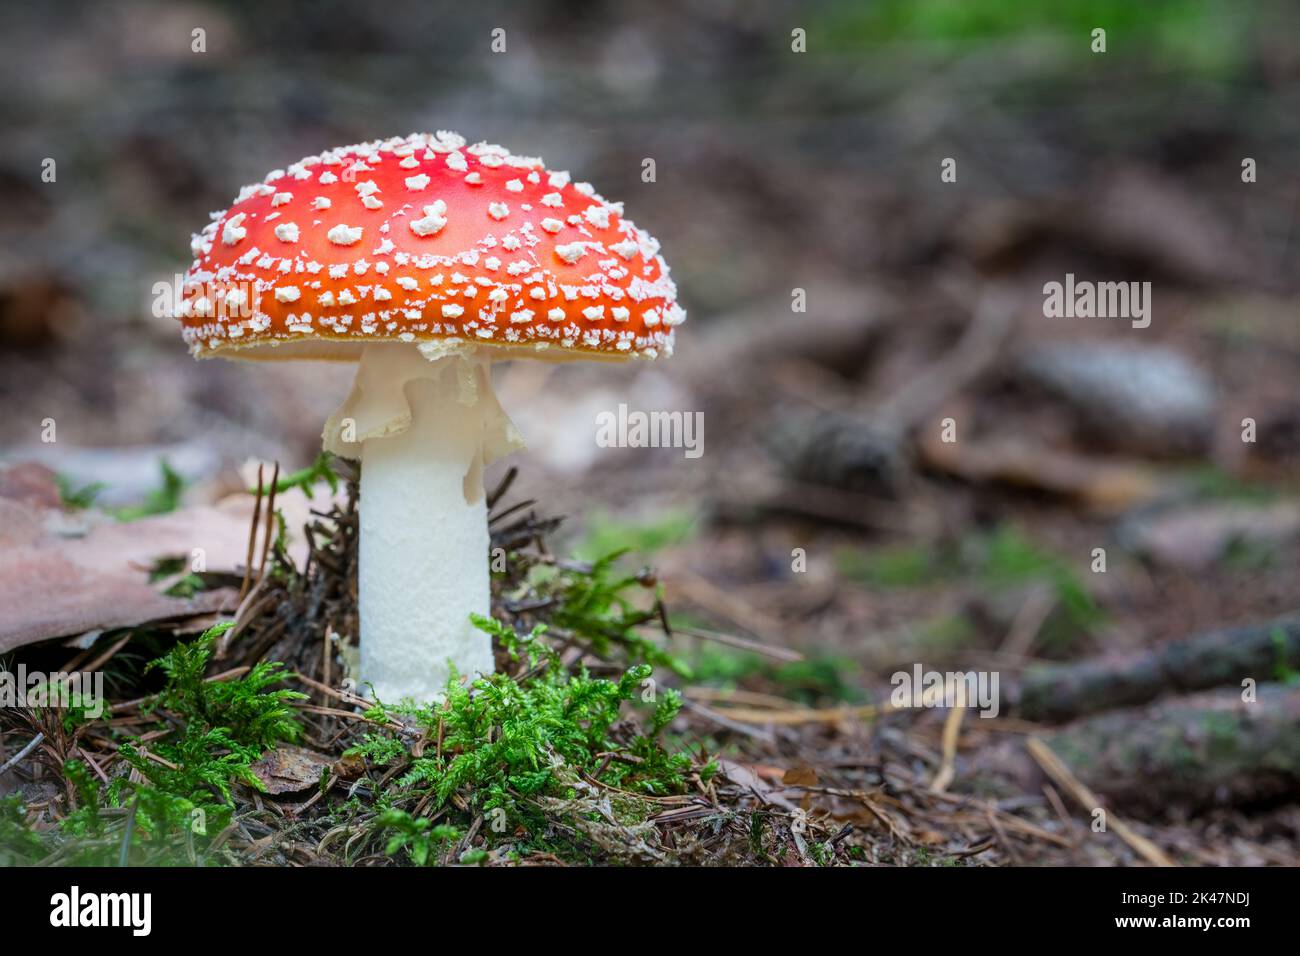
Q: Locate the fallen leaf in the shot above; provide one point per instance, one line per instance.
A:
(32, 483)
(747, 777)
(64, 573)
(800, 777)
(289, 769)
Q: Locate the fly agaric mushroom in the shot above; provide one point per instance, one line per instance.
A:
(424, 260)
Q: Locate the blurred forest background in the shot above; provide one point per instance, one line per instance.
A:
(775, 171)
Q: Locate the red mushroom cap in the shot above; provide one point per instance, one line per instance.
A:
(424, 239)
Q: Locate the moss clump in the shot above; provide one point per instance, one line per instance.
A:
(219, 727)
(19, 844)
(206, 736)
(505, 749)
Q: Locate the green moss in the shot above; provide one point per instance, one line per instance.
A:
(1009, 558)
(163, 499)
(19, 843)
(306, 479)
(78, 499)
(995, 561)
(417, 837)
(606, 535)
(906, 566)
(502, 742)
(815, 680)
(213, 732)
(944, 633)
(1210, 481)
(1282, 669)
(594, 605)
(218, 729)
(1180, 35)
(187, 585)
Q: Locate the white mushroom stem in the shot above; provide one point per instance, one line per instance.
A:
(425, 428)
(424, 547)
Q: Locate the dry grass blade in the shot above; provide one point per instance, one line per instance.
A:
(1055, 768)
(951, 735)
(18, 757)
(499, 492)
(783, 654)
(734, 695)
(270, 521)
(252, 538)
(804, 715)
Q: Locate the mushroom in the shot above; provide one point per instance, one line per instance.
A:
(423, 260)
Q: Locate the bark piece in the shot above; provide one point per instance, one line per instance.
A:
(1057, 693)
(1206, 749)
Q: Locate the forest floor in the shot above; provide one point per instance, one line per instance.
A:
(923, 468)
